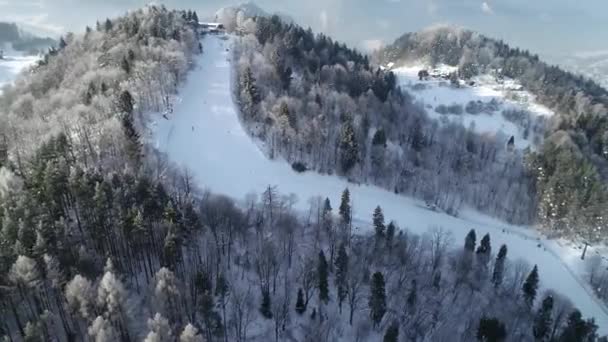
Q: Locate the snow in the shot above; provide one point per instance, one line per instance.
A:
(204, 135)
(437, 91)
(12, 64)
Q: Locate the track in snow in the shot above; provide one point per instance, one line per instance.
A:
(204, 134)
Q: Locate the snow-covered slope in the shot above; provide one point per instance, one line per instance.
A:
(487, 94)
(12, 64)
(204, 134)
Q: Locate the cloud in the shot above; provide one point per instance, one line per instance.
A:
(485, 8)
(37, 24)
(371, 44)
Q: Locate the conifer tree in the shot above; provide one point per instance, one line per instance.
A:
(542, 321)
(108, 25)
(378, 221)
(377, 299)
(341, 275)
(345, 212)
(491, 330)
(485, 248)
(390, 235)
(250, 93)
(392, 333)
(349, 148)
(577, 329)
(300, 306)
(322, 275)
(530, 286)
(327, 216)
(469, 241)
(499, 266)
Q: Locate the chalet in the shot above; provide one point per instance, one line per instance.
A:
(211, 27)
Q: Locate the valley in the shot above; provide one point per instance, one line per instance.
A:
(204, 136)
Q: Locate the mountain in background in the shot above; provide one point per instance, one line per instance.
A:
(593, 65)
(21, 40)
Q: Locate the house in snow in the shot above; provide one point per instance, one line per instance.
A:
(211, 27)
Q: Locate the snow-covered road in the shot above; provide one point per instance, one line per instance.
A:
(204, 134)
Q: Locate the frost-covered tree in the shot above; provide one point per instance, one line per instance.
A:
(160, 330)
(190, 334)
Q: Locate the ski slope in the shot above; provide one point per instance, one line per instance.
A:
(506, 94)
(204, 135)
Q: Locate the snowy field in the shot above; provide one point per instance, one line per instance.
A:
(435, 91)
(12, 64)
(204, 135)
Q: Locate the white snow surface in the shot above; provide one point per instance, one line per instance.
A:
(12, 64)
(204, 135)
(437, 91)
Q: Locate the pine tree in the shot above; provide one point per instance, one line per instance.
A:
(392, 333)
(62, 43)
(469, 241)
(251, 96)
(484, 247)
(390, 235)
(327, 216)
(341, 275)
(345, 209)
(349, 147)
(322, 274)
(377, 299)
(300, 307)
(491, 330)
(378, 221)
(133, 147)
(542, 321)
(577, 329)
(499, 266)
(108, 25)
(530, 286)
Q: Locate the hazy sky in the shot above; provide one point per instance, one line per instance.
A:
(549, 27)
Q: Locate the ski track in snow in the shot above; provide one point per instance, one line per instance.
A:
(204, 134)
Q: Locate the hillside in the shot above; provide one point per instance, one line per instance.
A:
(204, 115)
(154, 187)
(569, 168)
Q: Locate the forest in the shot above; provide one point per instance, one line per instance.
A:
(570, 168)
(324, 107)
(102, 239)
